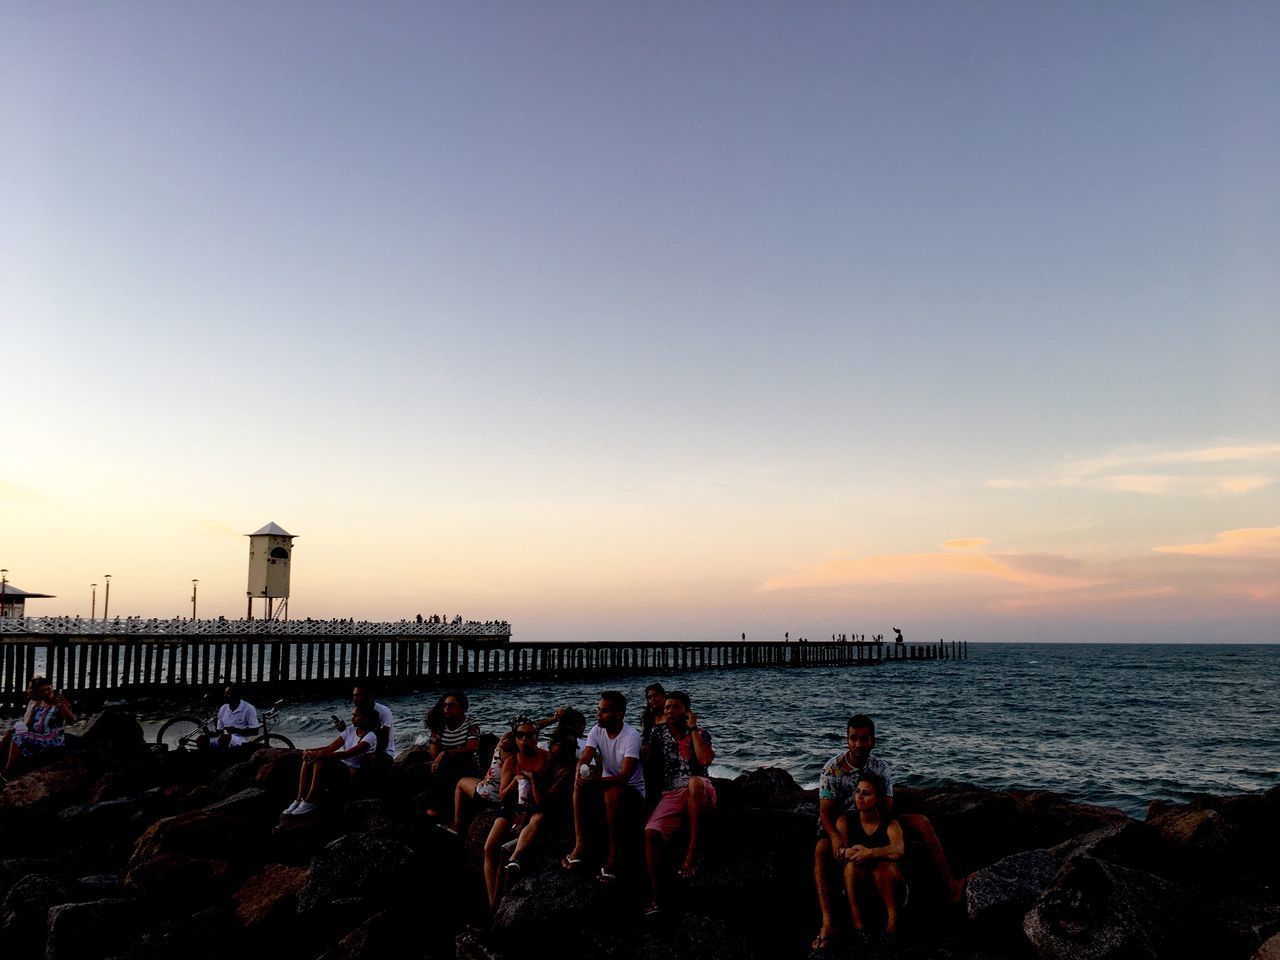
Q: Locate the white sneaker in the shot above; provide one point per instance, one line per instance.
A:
(288, 811)
(302, 808)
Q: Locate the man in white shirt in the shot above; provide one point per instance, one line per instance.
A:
(610, 773)
(237, 721)
(363, 697)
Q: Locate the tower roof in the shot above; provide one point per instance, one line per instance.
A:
(271, 530)
(12, 592)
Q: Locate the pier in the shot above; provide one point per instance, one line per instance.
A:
(97, 660)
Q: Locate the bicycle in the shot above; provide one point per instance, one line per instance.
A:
(182, 732)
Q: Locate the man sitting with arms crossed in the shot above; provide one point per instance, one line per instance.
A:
(684, 752)
(237, 721)
(836, 789)
(618, 781)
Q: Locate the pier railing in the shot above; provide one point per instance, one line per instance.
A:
(98, 666)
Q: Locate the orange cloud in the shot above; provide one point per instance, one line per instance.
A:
(969, 543)
(1260, 542)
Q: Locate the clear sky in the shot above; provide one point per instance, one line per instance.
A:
(649, 321)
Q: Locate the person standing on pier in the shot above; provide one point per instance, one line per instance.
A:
(684, 753)
(616, 781)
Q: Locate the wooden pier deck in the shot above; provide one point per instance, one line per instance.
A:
(96, 660)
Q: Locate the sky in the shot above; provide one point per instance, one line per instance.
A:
(659, 321)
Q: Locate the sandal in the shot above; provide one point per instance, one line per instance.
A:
(570, 863)
(689, 869)
(513, 868)
(821, 942)
(606, 879)
(652, 910)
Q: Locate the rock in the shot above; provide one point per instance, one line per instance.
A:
(276, 771)
(200, 834)
(1269, 950)
(171, 878)
(768, 788)
(1095, 910)
(358, 871)
(65, 780)
(1005, 890)
(209, 934)
(103, 886)
(297, 840)
(472, 946)
(978, 827)
(1237, 834)
(11, 871)
(113, 727)
(547, 900)
(364, 816)
(106, 831)
(390, 933)
(92, 930)
(251, 803)
(26, 832)
(25, 910)
(269, 895)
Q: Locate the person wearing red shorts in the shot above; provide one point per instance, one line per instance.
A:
(685, 752)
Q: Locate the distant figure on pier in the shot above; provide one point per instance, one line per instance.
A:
(687, 793)
(453, 743)
(610, 774)
(897, 635)
(237, 721)
(41, 726)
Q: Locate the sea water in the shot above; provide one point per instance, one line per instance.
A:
(1114, 724)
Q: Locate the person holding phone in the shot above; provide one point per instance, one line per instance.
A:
(684, 751)
(42, 725)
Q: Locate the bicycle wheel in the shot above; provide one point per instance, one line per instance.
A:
(279, 740)
(179, 733)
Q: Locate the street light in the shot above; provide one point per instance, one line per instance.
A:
(106, 601)
(93, 602)
(4, 583)
(193, 598)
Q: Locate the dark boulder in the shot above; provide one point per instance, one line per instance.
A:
(178, 878)
(548, 900)
(1095, 910)
(1269, 950)
(208, 934)
(359, 871)
(112, 727)
(276, 771)
(1237, 834)
(200, 833)
(1000, 894)
(91, 930)
(25, 910)
(26, 832)
(769, 787)
(270, 896)
(61, 779)
(297, 840)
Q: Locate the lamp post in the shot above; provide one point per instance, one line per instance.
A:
(4, 584)
(93, 601)
(193, 598)
(106, 601)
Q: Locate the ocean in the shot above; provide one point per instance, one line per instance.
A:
(1114, 724)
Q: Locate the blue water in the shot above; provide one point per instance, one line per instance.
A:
(1115, 724)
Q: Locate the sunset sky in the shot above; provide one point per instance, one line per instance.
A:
(649, 321)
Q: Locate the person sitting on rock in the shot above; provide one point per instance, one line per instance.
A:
(363, 695)
(609, 773)
(521, 796)
(455, 738)
(485, 789)
(351, 751)
(836, 788)
(871, 856)
(684, 752)
(237, 721)
(41, 726)
(655, 705)
(575, 722)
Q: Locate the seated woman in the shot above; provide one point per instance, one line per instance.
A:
(339, 762)
(41, 727)
(871, 856)
(522, 796)
(485, 788)
(455, 738)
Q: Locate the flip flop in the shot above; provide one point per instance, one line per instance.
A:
(443, 829)
(606, 879)
(689, 869)
(570, 863)
(513, 868)
(821, 942)
(652, 910)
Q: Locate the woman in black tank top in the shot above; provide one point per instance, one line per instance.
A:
(871, 858)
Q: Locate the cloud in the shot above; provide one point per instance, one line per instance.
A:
(1209, 471)
(1258, 542)
(12, 491)
(1239, 569)
(219, 527)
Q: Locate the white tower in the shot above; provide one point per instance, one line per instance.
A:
(270, 550)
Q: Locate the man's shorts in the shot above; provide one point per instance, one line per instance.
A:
(672, 811)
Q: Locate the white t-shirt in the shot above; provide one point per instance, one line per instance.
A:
(613, 750)
(244, 716)
(385, 719)
(350, 739)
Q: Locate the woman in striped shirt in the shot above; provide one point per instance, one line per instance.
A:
(455, 738)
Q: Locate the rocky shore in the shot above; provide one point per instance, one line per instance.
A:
(117, 849)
